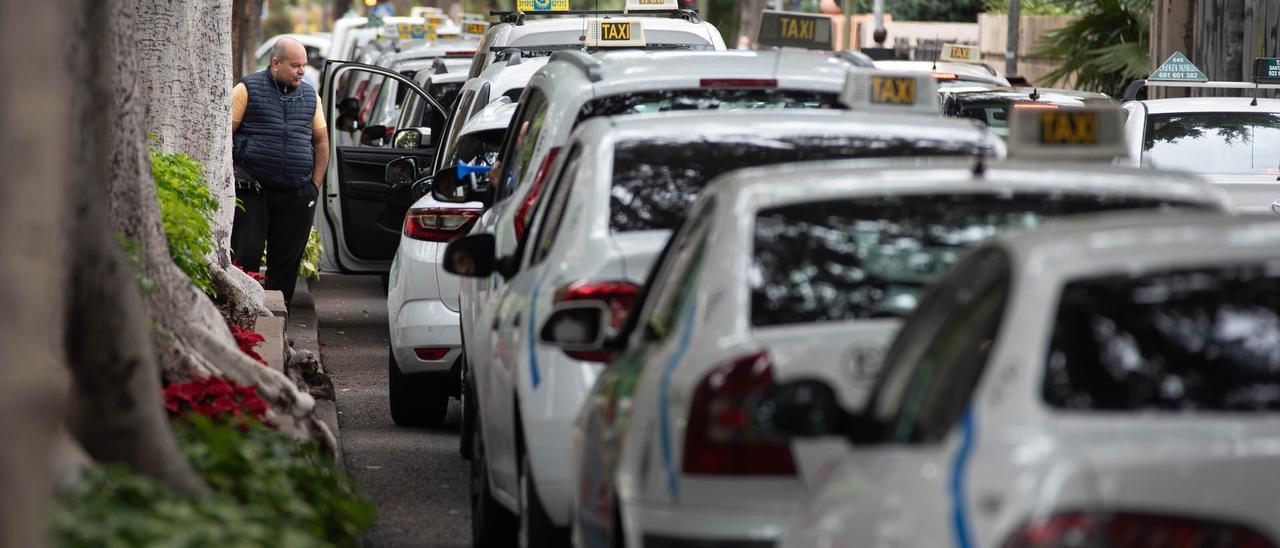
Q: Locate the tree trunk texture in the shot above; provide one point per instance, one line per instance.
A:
(340, 8)
(250, 17)
(34, 214)
(748, 20)
(1227, 35)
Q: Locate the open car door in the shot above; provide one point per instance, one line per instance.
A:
(363, 214)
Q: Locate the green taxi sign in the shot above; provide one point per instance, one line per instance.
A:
(1178, 69)
(1266, 70)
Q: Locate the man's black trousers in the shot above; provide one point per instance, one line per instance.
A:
(280, 220)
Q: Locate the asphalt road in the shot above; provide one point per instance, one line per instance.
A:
(414, 477)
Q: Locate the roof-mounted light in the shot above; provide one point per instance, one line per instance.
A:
(1093, 132)
(884, 90)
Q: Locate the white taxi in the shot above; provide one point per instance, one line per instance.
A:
(1106, 382)
(785, 272)
(624, 184)
(570, 89)
(425, 355)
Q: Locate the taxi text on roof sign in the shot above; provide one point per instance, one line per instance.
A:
(542, 5)
(1178, 69)
(875, 89)
(795, 30)
(959, 53)
(1068, 133)
(410, 31)
(615, 33)
(651, 5)
(474, 27)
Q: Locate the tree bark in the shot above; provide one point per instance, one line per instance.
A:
(33, 261)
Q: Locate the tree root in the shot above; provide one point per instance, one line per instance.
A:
(244, 295)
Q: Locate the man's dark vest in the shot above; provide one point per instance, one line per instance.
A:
(274, 139)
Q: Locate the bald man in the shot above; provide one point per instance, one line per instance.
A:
(281, 153)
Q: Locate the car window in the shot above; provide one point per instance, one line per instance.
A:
(479, 148)
(873, 257)
(705, 99)
(1203, 339)
(522, 141)
(449, 141)
(556, 206)
(1214, 142)
(673, 284)
(656, 180)
(935, 363)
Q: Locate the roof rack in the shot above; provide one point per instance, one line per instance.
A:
(590, 65)
(517, 17)
(511, 55)
(438, 66)
(1131, 91)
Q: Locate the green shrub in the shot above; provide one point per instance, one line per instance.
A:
(310, 268)
(269, 490)
(186, 208)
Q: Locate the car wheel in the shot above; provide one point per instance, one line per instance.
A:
(416, 400)
(468, 414)
(536, 529)
(492, 526)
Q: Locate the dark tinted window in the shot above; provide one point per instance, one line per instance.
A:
(1214, 142)
(1205, 339)
(705, 99)
(871, 257)
(655, 181)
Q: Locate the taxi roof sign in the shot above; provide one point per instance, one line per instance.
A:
(412, 31)
(474, 28)
(1096, 132)
(542, 5)
(1178, 69)
(787, 29)
(651, 5)
(879, 89)
(615, 33)
(960, 53)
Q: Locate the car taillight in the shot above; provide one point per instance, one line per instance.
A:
(438, 224)
(431, 354)
(1035, 106)
(368, 103)
(522, 213)
(719, 438)
(620, 296)
(1133, 530)
(360, 89)
(738, 83)
(944, 76)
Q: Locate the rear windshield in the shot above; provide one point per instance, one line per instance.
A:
(873, 257)
(1187, 340)
(479, 148)
(1232, 143)
(994, 115)
(656, 180)
(705, 99)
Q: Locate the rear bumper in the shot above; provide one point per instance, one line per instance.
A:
(667, 526)
(425, 324)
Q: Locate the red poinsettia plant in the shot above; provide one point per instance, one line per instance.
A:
(257, 276)
(246, 339)
(215, 398)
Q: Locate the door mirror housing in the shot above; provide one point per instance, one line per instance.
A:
(475, 256)
(373, 136)
(579, 328)
(806, 408)
(412, 138)
(402, 172)
(462, 183)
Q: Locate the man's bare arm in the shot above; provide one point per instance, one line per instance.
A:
(320, 140)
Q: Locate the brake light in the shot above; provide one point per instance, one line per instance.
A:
(438, 224)
(619, 295)
(944, 76)
(522, 213)
(1035, 106)
(1133, 530)
(738, 83)
(460, 53)
(719, 438)
(390, 131)
(434, 354)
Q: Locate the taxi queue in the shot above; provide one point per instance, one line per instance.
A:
(692, 297)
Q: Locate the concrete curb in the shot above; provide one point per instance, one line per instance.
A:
(302, 334)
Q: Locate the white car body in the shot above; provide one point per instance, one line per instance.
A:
(697, 329)
(1253, 192)
(578, 241)
(1008, 454)
(951, 73)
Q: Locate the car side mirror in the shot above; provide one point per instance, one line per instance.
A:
(579, 328)
(412, 138)
(475, 256)
(448, 188)
(402, 172)
(373, 136)
(806, 408)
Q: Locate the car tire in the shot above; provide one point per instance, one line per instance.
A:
(536, 529)
(492, 526)
(467, 426)
(416, 400)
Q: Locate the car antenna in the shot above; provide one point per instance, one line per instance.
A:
(1254, 103)
(979, 166)
(1035, 94)
(939, 54)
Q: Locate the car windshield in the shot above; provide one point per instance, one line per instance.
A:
(1203, 339)
(656, 180)
(1231, 143)
(872, 257)
(705, 99)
